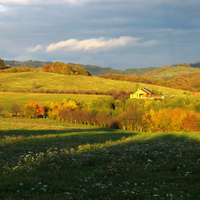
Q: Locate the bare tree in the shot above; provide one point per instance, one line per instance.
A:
(16, 108)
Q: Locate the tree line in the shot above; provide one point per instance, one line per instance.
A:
(169, 115)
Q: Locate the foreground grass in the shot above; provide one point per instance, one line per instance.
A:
(46, 159)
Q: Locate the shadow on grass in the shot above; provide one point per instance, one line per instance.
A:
(71, 138)
(149, 164)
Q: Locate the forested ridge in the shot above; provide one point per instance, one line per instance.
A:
(68, 69)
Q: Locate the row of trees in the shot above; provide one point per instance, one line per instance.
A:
(124, 114)
(16, 69)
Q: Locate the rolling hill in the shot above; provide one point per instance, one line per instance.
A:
(25, 82)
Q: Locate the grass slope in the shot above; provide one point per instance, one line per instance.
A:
(171, 72)
(45, 80)
(46, 159)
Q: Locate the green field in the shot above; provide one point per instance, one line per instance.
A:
(46, 159)
(45, 80)
(7, 99)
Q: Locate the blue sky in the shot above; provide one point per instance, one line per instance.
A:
(110, 33)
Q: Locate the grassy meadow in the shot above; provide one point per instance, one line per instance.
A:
(48, 159)
(25, 81)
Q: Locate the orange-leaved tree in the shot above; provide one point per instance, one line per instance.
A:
(33, 109)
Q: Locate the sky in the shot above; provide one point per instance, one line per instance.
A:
(120, 34)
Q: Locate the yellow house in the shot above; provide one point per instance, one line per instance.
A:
(142, 93)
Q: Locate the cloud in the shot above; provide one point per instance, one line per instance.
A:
(20, 2)
(98, 44)
(34, 49)
(81, 2)
(3, 9)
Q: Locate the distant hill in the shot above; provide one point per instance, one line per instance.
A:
(97, 70)
(68, 69)
(153, 72)
(29, 63)
(195, 65)
(168, 72)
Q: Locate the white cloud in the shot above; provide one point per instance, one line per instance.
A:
(34, 49)
(98, 44)
(3, 8)
(21, 2)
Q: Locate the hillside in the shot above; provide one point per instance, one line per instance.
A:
(157, 82)
(42, 81)
(168, 72)
(188, 79)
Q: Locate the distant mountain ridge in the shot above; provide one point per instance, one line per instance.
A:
(29, 63)
(97, 70)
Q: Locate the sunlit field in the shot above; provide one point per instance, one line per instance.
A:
(7, 99)
(44, 80)
(48, 159)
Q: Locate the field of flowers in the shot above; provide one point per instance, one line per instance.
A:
(49, 159)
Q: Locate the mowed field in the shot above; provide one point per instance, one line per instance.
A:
(48, 159)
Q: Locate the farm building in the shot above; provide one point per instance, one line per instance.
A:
(142, 93)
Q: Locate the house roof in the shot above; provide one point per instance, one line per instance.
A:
(147, 91)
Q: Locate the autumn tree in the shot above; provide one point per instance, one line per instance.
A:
(132, 118)
(33, 109)
(2, 64)
(191, 122)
